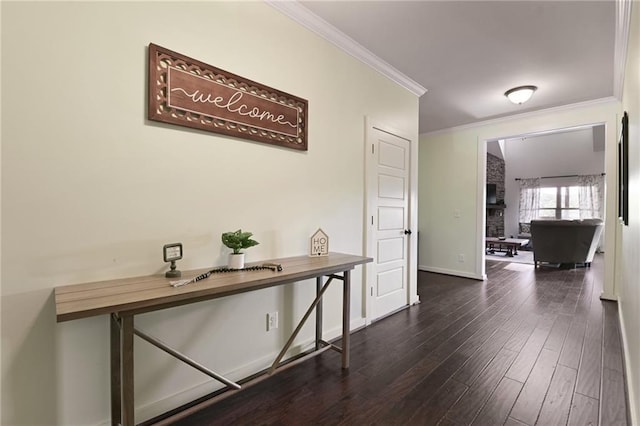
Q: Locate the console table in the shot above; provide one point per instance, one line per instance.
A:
(123, 299)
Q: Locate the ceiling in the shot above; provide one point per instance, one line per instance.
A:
(468, 53)
(590, 138)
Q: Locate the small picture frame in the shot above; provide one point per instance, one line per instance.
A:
(172, 252)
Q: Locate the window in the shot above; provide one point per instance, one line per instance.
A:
(583, 198)
(559, 202)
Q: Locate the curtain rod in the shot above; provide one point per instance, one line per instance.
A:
(554, 177)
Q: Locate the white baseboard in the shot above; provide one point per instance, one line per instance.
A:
(462, 274)
(206, 387)
(608, 296)
(631, 392)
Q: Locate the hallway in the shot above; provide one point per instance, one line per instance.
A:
(524, 347)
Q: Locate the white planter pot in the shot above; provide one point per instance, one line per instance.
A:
(236, 261)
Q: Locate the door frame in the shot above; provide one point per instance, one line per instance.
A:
(609, 291)
(369, 210)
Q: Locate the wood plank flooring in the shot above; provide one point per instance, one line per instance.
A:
(526, 347)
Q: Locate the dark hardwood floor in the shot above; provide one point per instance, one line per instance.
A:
(525, 347)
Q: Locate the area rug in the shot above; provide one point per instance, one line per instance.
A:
(523, 256)
(519, 267)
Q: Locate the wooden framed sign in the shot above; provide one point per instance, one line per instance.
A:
(190, 93)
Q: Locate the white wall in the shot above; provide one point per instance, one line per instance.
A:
(452, 168)
(629, 247)
(91, 190)
(566, 153)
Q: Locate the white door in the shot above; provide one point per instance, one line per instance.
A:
(388, 207)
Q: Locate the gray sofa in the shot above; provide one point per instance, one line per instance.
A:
(565, 241)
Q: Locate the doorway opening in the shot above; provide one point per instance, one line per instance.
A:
(552, 167)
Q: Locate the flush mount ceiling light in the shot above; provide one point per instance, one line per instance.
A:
(521, 94)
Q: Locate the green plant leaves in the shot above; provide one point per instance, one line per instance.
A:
(238, 240)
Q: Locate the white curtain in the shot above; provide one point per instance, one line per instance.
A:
(591, 196)
(529, 199)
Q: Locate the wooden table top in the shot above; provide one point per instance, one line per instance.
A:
(506, 240)
(154, 292)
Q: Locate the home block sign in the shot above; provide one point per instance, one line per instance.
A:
(190, 93)
(319, 244)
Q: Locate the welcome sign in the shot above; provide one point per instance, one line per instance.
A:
(190, 93)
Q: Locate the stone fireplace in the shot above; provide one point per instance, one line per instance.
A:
(495, 214)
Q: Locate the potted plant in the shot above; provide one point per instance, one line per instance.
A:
(237, 241)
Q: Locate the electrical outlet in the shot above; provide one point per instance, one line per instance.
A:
(272, 320)
(461, 258)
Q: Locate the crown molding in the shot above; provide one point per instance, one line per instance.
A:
(621, 41)
(313, 22)
(524, 115)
